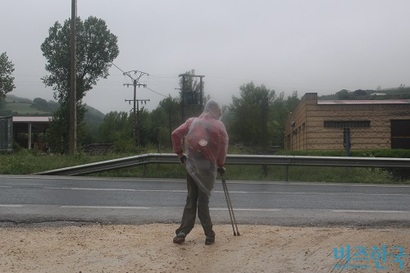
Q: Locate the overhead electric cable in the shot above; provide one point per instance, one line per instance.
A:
(155, 92)
(118, 68)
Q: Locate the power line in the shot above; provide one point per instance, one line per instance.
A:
(142, 73)
(156, 92)
(118, 68)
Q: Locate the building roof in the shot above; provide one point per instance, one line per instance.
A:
(351, 102)
(32, 118)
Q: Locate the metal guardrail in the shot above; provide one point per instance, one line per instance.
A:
(263, 160)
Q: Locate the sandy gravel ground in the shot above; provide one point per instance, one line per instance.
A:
(149, 248)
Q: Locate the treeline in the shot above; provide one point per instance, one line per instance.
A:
(255, 122)
(401, 92)
(255, 119)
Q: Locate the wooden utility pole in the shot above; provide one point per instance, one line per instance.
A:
(137, 120)
(135, 83)
(264, 128)
(183, 98)
(73, 82)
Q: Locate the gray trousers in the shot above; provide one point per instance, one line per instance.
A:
(196, 200)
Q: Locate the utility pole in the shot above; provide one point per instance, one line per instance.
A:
(137, 121)
(135, 79)
(73, 80)
(183, 97)
(183, 92)
(264, 128)
(201, 91)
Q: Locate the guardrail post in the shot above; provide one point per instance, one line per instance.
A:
(265, 170)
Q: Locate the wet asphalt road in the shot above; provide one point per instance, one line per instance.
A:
(51, 199)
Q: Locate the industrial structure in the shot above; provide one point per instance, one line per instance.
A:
(348, 124)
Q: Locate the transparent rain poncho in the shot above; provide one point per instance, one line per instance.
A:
(205, 145)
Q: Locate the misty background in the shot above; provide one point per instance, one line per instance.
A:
(294, 45)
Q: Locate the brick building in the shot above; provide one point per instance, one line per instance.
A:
(333, 124)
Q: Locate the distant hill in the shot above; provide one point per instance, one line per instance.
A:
(18, 106)
(380, 94)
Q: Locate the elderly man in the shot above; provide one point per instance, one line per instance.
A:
(201, 144)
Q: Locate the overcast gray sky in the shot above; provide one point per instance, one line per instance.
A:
(318, 46)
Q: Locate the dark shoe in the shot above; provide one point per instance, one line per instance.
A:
(210, 239)
(179, 239)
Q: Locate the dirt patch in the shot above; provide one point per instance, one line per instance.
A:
(149, 248)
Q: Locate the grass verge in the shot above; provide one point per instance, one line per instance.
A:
(25, 162)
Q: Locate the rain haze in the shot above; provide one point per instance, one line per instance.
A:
(305, 46)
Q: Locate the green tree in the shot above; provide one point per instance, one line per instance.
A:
(40, 104)
(280, 110)
(117, 129)
(164, 119)
(279, 115)
(96, 49)
(250, 115)
(6, 78)
(292, 102)
(147, 130)
(343, 95)
(155, 127)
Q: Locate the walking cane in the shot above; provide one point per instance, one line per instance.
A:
(230, 209)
